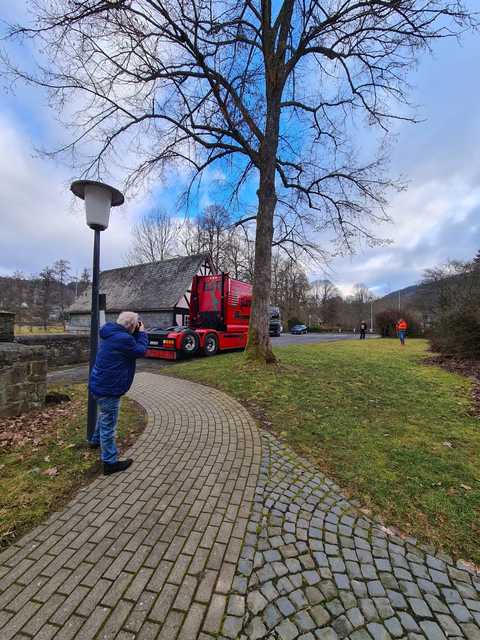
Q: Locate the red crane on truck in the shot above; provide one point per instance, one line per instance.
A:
(219, 312)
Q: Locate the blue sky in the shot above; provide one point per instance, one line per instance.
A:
(437, 218)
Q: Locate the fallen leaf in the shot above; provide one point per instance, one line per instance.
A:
(466, 487)
(51, 471)
(447, 444)
(47, 458)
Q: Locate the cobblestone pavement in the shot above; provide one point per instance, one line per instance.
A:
(215, 532)
(313, 566)
(149, 553)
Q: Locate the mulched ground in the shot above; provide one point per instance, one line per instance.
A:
(35, 428)
(468, 368)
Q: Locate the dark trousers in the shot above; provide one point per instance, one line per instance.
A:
(362, 334)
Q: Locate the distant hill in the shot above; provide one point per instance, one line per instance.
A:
(407, 297)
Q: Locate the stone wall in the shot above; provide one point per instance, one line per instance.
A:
(81, 322)
(23, 378)
(61, 349)
(7, 325)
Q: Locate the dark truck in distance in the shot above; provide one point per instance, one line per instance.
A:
(275, 324)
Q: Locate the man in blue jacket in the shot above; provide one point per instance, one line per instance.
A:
(122, 342)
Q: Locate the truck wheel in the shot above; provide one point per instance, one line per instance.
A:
(210, 346)
(189, 344)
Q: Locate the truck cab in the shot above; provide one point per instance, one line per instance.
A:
(219, 313)
(275, 322)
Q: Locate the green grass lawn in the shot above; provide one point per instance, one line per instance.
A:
(393, 432)
(50, 461)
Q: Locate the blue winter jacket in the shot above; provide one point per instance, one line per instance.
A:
(114, 369)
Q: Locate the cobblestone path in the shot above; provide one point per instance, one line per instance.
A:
(215, 532)
(313, 567)
(151, 552)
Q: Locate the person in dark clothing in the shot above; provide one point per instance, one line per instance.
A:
(363, 329)
(122, 342)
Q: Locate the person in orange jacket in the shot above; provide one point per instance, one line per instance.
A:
(402, 327)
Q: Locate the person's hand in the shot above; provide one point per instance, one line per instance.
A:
(141, 326)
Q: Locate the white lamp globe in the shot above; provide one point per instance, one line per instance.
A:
(99, 198)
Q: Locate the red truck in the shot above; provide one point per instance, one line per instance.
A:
(219, 312)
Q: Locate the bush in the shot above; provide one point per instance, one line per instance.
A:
(323, 328)
(454, 306)
(386, 322)
(291, 322)
(457, 333)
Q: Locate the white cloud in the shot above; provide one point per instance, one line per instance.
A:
(41, 221)
(438, 217)
(433, 222)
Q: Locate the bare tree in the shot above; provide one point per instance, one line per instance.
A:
(255, 86)
(18, 292)
(289, 287)
(323, 300)
(47, 293)
(154, 238)
(61, 271)
(359, 303)
(239, 254)
(451, 285)
(230, 245)
(213, 223)
(84, 281)
(189, 238)
(322, 291)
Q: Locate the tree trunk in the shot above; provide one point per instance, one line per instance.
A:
(259, 347)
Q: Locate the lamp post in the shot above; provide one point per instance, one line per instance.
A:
(371, 316)
(99, 198)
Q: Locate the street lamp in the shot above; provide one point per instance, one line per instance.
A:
(99, 198)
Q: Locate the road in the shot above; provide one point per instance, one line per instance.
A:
(287, 338)
(79, 373)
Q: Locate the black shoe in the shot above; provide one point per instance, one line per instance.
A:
(121, 465)
(94, 445)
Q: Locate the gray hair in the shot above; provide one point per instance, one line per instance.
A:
(128, 319)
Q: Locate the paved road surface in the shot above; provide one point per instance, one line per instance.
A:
(287, 338)
(79, 373)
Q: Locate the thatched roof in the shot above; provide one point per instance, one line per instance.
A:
(145, 287)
